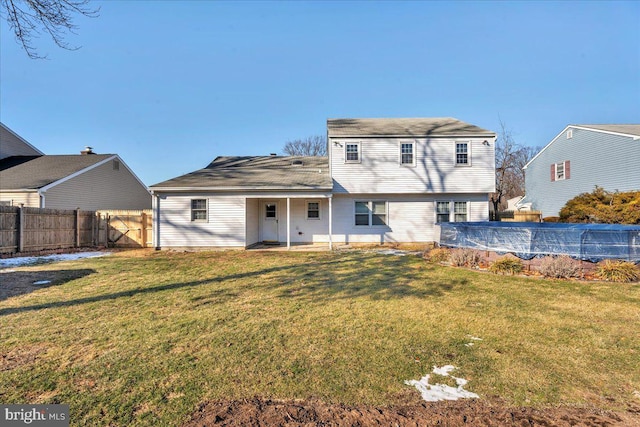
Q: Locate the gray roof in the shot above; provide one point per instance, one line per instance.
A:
(257, 173)
(416, 127)
(626, 129)
(34, 172)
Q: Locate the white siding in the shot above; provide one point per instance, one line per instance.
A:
(29, 199)
(435, 171)
(305, 230)
(225, 225)
(410, 218)
(102, 187)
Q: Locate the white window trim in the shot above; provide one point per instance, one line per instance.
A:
(452, 208)
(346, 144)
(455, 154)
(306, 205)
(564, 171)
(370, 203)
(413, 153)
(206, 210)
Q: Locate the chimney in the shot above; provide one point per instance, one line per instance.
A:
(87, 150)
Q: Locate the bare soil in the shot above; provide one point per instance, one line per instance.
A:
(474, 412)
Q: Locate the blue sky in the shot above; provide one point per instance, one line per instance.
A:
(169, 85)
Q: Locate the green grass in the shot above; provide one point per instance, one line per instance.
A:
(141, 338)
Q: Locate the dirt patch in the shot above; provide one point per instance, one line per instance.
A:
(20, 357)
(14, 283)
(264, 412)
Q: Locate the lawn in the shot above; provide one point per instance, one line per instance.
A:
(143, 337)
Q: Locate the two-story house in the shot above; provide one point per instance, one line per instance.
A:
(580, 158)
(384, 180)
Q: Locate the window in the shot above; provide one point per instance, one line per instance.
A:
(406, 153)
(352, 152)
(313, 210)
(199, 210)
(462, 153)
(442, 211)
(460, 211)
(271, 211)
(371, 213)
(561, 171)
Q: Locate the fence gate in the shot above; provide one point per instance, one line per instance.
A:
(127, 229)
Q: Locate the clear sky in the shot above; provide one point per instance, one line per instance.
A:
(170, 85)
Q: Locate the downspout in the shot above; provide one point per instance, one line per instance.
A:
(42, 199)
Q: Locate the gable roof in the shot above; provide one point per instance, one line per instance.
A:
(226, 173)
(12, 144)
(414, 127)
(629, 130)
(32, 173)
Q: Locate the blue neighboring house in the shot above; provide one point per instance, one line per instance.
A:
(580, 158)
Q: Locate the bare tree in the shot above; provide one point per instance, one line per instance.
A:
(511, 157)
(309, 146)
(29, 18)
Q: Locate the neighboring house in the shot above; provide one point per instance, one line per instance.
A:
(580, 158)
(384, 180)
(87, 181)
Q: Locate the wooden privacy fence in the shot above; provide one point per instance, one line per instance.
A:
(517, 216)
(24, 229)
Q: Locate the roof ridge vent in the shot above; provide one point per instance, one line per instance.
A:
(297, 162)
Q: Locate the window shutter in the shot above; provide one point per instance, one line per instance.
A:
(567, 170)
(553, 172)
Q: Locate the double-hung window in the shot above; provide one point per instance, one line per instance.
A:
(462, 154)
(352, 152)
(313, 210)
(407, 154)
(371, 213)
(444, 213)
(198, 209)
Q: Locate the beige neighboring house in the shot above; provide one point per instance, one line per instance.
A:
(87, 180)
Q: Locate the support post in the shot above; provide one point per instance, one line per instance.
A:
(77, 230)
(288, 223)
(330, 224)
(143, 220)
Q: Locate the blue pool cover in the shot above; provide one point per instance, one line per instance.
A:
(590, 242)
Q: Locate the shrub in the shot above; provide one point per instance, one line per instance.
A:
(601, 206)
(559, 267)
(617, 271)
(465, 257)
(438, 255)
(507, 265)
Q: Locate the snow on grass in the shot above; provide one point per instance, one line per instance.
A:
(42, 282)
(438, 392)
(31, 260)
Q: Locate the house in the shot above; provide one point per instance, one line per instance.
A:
(87, 180)
(384, 180)
(580, 158)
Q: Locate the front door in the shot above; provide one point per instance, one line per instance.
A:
(270, 222)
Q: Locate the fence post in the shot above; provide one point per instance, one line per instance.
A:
(143, 220)
(77, 230)
(21, 228)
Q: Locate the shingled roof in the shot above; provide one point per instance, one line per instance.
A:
(414, 127)
(256, 173)
(625, 129)
(34, 172)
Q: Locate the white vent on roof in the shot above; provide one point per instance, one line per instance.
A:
(297, 163)
(570, 134)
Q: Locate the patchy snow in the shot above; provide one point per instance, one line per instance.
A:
(42, 282)
(469, 344)
(437, 392)
(395, 252)
(30, 260)
(474, 338)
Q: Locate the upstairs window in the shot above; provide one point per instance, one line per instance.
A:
(462, 154)
(371, 213)
(561, 171)
(407, 156)
(198, 209)
(352, 152)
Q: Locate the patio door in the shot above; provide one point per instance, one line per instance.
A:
(270, 222)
